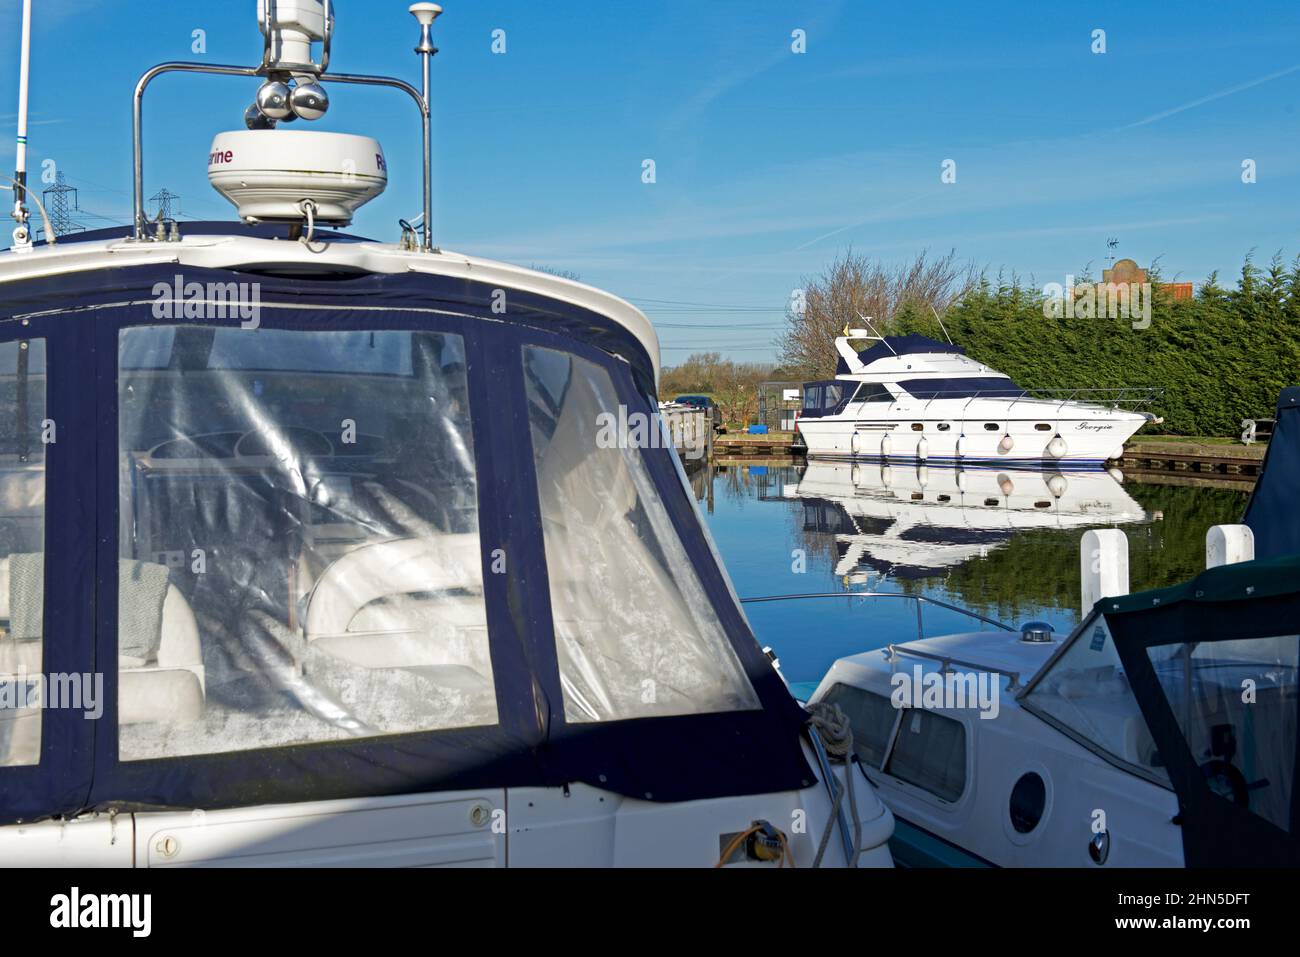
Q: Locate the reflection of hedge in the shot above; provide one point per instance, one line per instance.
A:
(1041, 566)
(1221, 357)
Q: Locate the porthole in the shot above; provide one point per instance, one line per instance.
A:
(1042, 504)
(992, 501)
(943, 426)
(918, 496)
(918, 427)
(1043, 427)
(945, 498)
(1028, 801)
(991, 427)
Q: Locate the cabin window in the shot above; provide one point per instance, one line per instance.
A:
(1246, 750)
(812, 399)
(300, 557)
(1043, 427)
(871, 716)
(874, 392)
(918, 426)
(930, 752)
(635, 633)
(22, 549)
(991, 427)
(1087, 695)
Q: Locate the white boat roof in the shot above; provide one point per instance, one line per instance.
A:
(71, 255)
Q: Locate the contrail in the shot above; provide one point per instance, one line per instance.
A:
(1213, 96)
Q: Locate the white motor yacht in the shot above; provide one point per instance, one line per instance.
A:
(914, 398)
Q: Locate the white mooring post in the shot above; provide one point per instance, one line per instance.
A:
(1229, 544)
(1103, 566)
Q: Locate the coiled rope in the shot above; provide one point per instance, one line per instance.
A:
(829, 722)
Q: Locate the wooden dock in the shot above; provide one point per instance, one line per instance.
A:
(1192, 461)
(1166, 463)
(739, 444)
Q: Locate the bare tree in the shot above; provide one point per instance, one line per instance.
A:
(732, 385)
(854, 285)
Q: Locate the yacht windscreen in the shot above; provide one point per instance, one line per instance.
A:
(300, 559)
(981, 387)
(1086, 693)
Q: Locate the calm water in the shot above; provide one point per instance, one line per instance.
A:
(1003, 543)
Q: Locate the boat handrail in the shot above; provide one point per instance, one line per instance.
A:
(892, 651)
(921, 600)
(1100, 397)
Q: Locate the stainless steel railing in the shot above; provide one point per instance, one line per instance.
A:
(921, 601)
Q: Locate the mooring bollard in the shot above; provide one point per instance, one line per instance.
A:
(1229, 544)
(1103, 566)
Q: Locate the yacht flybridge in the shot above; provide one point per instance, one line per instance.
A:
(368, 590)
(914, 398)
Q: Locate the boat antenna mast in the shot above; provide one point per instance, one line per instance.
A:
(941, 325)
(877, 334)
(22, 233)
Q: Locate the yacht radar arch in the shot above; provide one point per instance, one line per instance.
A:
(331, 174)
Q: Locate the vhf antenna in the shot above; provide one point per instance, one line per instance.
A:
(22, 234)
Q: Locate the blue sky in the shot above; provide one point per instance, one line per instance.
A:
(768, 163)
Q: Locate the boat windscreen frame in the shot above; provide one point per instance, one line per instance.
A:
(1023, 699)
(1247, 601)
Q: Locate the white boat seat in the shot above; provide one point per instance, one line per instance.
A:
(167, 686)
(386, 605)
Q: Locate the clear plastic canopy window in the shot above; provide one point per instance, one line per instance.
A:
(636, 634)
(22, 550)
(300, 557)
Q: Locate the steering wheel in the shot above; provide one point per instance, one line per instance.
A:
(1226, 781)
(264, 441)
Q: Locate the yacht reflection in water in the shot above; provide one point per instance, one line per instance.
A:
(914, 521)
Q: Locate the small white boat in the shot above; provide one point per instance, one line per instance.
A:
(913, 398)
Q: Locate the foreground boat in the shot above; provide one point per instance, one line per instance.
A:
(369, 587)
(911, 398)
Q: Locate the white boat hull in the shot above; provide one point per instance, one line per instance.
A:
(986, 431)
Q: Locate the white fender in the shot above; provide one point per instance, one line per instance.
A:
(884, 446)
(1057, 485)
(1007, 443)
(1057, 447)
(922, 449)
(1005, 484)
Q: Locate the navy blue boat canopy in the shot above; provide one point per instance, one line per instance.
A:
(1272, 510)
(910, 344)
(1214, 665)
(357, 542)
